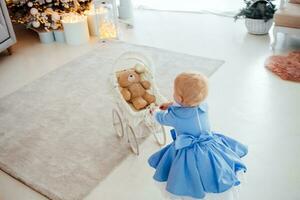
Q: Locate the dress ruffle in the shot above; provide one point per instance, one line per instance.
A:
(231, 194)
(193, 166)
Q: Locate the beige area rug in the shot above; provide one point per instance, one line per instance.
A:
(56, 133)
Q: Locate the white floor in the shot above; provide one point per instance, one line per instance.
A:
(246, 102)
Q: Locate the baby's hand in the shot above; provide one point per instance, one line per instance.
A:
(152, 109)
(165, 106)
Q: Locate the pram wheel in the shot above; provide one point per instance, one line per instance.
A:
(160, 136)
(117, 123)
(132, 140)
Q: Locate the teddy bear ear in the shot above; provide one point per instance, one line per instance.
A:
(139, 68)
(118, 75)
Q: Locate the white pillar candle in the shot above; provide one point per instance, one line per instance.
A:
(46, 37)
(76, 29)
(59, 36)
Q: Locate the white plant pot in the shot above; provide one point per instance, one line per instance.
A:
(59, 36)
(125, 9)
(46, 37)
(258, 26)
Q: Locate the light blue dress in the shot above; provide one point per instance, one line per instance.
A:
(198, 161)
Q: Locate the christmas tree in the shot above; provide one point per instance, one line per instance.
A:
(44, 15)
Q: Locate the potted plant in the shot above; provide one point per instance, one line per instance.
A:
(258, 16)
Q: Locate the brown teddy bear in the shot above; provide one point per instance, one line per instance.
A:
(134, 89)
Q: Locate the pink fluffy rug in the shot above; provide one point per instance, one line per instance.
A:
(286, 67)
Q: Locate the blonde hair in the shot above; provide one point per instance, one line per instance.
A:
(191, 87)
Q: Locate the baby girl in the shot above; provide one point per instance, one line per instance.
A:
(198, 161)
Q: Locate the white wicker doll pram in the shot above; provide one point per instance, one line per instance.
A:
(127, 120)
